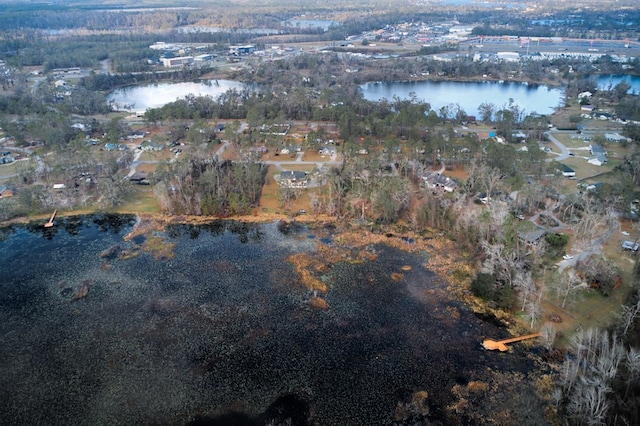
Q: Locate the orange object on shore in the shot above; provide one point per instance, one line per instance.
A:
(501, 345)
(50, 223)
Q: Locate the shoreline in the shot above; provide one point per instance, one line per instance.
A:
(444, 257)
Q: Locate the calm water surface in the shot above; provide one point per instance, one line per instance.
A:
(610, 81)
(469, 95)
(140, 98)
(223, 326)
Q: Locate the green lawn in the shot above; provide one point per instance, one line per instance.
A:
(141, 200)
(9, 169)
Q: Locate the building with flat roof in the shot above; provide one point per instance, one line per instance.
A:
(177, 62)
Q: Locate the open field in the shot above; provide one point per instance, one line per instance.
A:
(142, 200)
(9, 169)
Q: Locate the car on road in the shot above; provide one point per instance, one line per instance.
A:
(567, 257)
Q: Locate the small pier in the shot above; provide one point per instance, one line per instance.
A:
(50, 223)
(501, 345)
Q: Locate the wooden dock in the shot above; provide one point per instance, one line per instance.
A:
(50, 223)
(501, 345)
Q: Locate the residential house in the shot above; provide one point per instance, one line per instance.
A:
(615, 137)
(7, 158)
(136, 135)
(532, 236)
(328, 150)
(5, 192)
(293, 179)
(598, 160)
(436, 180)
(115, 147)
(519, 135)
(261, 149)
(597, 149)
(598, 155)
(140, 178)
(567, 171)
(151, 146)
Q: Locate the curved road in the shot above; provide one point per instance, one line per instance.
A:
(564, 152)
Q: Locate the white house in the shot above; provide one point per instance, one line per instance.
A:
(615, 137)
(568, 171)
(598, 160)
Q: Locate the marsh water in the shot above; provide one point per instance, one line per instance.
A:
(94, 330)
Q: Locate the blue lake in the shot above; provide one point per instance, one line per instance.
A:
(140, 98)
(610, 81)
(469, 95)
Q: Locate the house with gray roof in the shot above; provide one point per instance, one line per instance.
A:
(293, 179)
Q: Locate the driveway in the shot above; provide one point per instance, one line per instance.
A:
(564, 152)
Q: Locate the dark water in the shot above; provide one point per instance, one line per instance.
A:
(223, 331)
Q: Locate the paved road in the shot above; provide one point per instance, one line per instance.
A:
(564, 152)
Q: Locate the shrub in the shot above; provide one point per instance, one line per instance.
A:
(483, 286)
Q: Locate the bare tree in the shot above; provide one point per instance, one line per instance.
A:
(548, 335)
(568, 284)
(533, 311)
(591, 224)
(523, 282)
(586, 376)
(627, 317)
(632, 363)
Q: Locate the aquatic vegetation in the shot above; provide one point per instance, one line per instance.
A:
(318, 303)
(416, 410)
(303, 264)
(396, 276)
(81, 291)
(159, 248)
